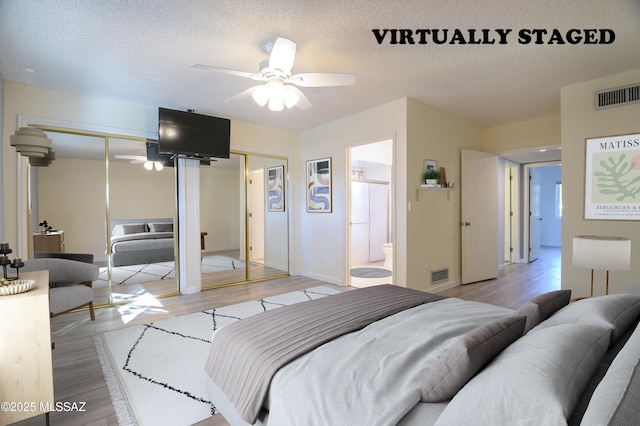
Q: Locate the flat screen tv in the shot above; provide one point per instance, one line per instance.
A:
(153, 154)
(191, 135)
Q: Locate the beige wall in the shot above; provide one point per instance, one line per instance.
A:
(580, 121)
(71, 197)
(433, 224)
(322, 235)
(523, 135)
(220, 215)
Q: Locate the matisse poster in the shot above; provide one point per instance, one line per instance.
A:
(612, 178)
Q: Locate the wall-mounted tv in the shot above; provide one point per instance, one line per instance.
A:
(153, 154)
(191, 135)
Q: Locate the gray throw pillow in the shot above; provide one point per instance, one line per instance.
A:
(134, 228)
(542, 307)
(161, 227)
(468, 355)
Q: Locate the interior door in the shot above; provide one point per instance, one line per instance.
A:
(535, 216)
(359, 223)
(480, 238)
(379, 217)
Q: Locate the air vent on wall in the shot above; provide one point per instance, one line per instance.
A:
(439, 275)
(618, 96)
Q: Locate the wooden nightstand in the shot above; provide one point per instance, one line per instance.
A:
(26, 369)
(51, 242)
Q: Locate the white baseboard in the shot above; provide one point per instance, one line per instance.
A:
(324, 278)
(442, 287)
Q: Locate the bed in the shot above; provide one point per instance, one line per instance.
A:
(139, 241)
(438, 361)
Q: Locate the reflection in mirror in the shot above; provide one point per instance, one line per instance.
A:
(141, 222)
(222, 189)
(268, 217)
(69, 195)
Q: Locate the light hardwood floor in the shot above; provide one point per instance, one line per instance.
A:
(78, 376)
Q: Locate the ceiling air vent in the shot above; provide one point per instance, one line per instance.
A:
(439, 275)
(619, 96)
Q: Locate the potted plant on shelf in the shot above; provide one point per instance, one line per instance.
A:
(431, 177)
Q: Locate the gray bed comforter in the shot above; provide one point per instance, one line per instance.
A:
(245, 355)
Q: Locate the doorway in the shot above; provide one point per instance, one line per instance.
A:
(370, 193)
(543, 202)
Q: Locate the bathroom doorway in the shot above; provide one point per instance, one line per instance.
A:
(370, 240)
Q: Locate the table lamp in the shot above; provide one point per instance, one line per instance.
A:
(603, 253)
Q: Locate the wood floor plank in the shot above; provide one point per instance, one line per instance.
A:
(78, 376)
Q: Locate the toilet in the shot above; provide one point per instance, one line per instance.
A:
(387, 248)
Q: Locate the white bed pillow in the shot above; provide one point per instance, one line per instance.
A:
(537, 380)
(615, 400)
(617, 311)
(128, 228)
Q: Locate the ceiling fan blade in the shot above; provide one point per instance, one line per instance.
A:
(244, 94)
(282, 55)
(321, 79)
(228, 71)
(141, 158)
(303, 101)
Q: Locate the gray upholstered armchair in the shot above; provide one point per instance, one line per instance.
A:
(70, 283)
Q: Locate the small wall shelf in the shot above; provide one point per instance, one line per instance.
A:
(434, 188)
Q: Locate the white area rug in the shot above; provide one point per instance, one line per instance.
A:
(155, 372)
(136, 274)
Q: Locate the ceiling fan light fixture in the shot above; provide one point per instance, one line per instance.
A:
(261, 95)
(291, 98)
(282, 55)
(276, 103)
(158, 165)
(148, 165)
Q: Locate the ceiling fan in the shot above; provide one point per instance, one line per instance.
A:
(279, 89)
(140, 159)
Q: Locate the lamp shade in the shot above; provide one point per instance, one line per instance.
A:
(30, 142)
(605, 253)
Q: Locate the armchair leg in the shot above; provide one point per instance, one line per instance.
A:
(91, 312)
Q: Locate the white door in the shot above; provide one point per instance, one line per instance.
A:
(359, 223)
(480, 245)
(535, 217)
(379, 218)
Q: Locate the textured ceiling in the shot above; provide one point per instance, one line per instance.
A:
(140, 50)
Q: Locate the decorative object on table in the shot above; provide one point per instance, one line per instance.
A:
(44, 227)
(431, 178)
(16, 287)
(603, 253)
(16, 264)
(612, 178)
(4, 259)
(275, 188)
(319, 185)
(443, 177)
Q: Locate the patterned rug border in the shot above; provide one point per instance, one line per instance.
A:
(123, 402)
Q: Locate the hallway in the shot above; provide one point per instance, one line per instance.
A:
(517, 282)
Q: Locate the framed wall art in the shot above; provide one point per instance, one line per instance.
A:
(319, 186)
(612, 178)
(275, 188)
(430, 165)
